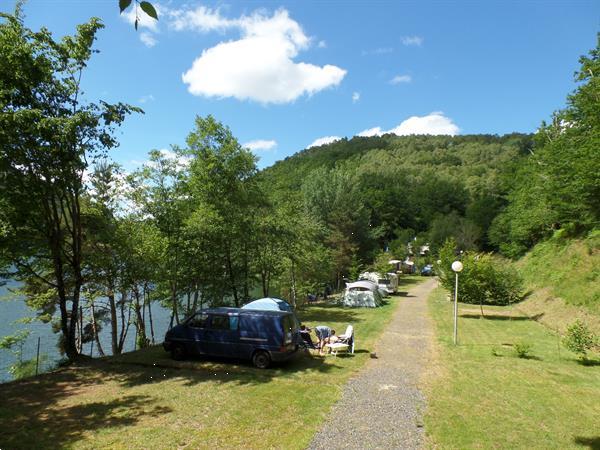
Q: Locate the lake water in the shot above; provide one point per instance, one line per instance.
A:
(14, 309)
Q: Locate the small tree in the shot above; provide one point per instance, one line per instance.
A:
(484, 279)
(579, 339)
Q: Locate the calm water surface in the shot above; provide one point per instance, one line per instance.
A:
(12, 309)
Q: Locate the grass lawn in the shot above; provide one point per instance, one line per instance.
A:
(145, 400)
(479, 400)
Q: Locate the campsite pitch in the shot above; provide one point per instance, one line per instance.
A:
(145, 400)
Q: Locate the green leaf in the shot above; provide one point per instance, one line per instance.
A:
(124, 4)
(149, 9)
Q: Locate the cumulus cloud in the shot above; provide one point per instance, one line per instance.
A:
(145, 22)
(260, 144)
(435, 123)
(322, 44)
(355, 97)
(148, 39)
(260, 65)
(412, 40)
(401, 79)
(376, 131)
(324, 140)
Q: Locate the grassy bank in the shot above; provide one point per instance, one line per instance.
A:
(484, 396)
(564, 278)
(145, 400)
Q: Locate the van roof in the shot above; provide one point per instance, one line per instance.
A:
(244, 312)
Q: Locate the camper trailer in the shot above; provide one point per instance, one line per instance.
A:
(387, 284)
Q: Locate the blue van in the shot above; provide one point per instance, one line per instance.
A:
(259, 336)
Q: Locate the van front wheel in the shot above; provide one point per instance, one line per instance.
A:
(178, 352)
(261, 359)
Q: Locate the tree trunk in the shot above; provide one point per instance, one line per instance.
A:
(293, 296)
(196, 294)
(232, 279)
(114, 331)
(150, 317)
(95, 331)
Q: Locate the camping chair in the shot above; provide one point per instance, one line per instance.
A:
(345, 343)
(307, 341)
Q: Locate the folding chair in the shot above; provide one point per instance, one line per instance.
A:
(345, 343)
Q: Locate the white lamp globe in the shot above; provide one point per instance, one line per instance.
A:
(457, 266)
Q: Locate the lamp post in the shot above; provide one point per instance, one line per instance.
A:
(456, 267)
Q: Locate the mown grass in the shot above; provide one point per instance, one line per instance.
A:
(479, 400)
(145, 400)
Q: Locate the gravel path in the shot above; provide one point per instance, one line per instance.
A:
(382, 407)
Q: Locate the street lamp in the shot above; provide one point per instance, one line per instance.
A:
(456, 267)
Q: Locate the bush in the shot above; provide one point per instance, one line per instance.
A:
(579, 338)
(522, 349)
(484, 279)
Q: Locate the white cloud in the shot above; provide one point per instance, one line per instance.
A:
(322, 44)
(435, 123)
(412, 40)
(377, 51)
(401, 79)
(376, 131)
(324, 140)
(146, 98)
(148, 39)
(260, 65)
(355, 97)
(260, 144)
(145, 21)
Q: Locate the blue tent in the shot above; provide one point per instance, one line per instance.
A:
(269, 304)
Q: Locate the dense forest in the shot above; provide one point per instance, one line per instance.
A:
(200, 225)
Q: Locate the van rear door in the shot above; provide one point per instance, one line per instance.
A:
(290, 332)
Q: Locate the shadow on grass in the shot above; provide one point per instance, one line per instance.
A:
(33, 414)
(588, 362)
(530, 357)
(590, 442)
(39, 413)
(500, 317)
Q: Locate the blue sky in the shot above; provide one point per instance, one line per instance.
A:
(282, 75)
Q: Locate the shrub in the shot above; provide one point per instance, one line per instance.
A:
(484, 279)
(579, 339)
(522, 349)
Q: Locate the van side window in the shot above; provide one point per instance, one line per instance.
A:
(219, 323)
(233, 322)
(200, 320)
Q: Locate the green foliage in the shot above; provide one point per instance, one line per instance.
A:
(579, 338)
(26, 369)
(522, 349)
(558, 186)
(11, 341)
(48, 135)
(149, 9)
(483, 280)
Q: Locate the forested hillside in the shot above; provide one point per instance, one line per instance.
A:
(427, 186)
